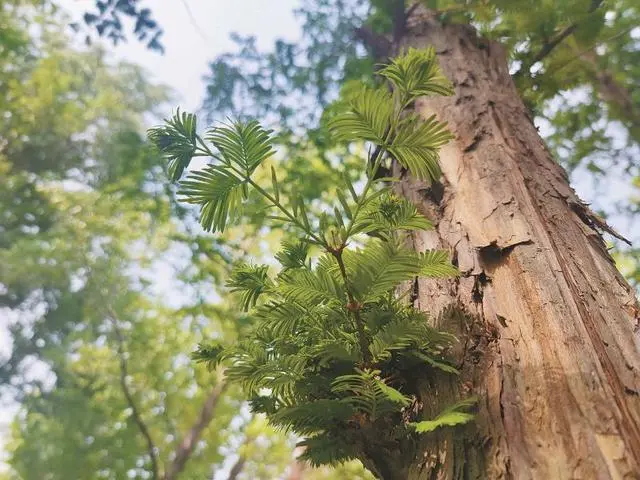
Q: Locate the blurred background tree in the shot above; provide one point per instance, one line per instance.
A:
(106, 284)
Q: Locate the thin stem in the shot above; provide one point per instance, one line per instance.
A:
(244, 176)
(376, 161)
(354, 308)
(286, 212)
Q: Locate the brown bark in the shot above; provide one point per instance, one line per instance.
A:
(552, 350)
(190, 440)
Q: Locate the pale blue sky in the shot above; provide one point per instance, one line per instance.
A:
(195, 32)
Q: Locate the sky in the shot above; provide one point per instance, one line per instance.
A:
(195, 32)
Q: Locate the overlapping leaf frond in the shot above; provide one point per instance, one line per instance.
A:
(380, 267)
(310, 288)
(416, 146)
(251, 281)
(435, 263)
(210, 354)
(369, 118)
(293, 254)
(218, 192)
(176, 139)
(327, 450)
(244, 145)
(388, 215)
(281, 319)
(417, 74)
(365, 391)
(310, 418)
(454, 415)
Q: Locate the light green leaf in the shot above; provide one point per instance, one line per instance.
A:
(416, 146)
(435, 264)
(217, 191)
(369, 119)
(416, 74)
(451, 416)
(176, 139)
(244, 145)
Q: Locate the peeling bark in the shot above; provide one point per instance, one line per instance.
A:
(552, 350)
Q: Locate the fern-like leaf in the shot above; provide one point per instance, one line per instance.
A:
(416, 74)
(244, 145)
(293, 255)
(367, 393)
(310, 418)
(210, 354)
(388, 215)
(176, 140)
(380, 267)
(416, 146)
(368, 119)
(436, 264)
(251, 281)
(310, 288)
(451, 416)
(218, 192)
(326, 450)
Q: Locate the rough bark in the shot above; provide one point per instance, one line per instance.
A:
(552, 347)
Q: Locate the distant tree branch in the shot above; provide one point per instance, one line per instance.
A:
(380, 45)
(297, 467)
(190, 440)
(135, 413)
(237, 468)
(550, 45)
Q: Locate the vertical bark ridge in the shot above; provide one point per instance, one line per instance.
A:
(554, 350)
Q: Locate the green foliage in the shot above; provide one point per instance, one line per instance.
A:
(333, 339)
(417, 74)
(176, 140)
(450, 417)
(576, 64)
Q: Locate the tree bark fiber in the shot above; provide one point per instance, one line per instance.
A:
(553, 349)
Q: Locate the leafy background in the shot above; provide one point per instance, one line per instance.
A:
(98, 263)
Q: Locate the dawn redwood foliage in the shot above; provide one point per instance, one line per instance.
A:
(338, 354)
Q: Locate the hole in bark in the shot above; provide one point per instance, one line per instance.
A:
(435, 192)
(454, 259)
(491, 255)
(479, 283)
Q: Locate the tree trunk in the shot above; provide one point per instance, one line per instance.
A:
(552, 347)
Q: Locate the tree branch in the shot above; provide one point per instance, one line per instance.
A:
(549, 46)
(190, 440)
(135, 413)
(297, 467)
(237, 468)
(379, 44)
